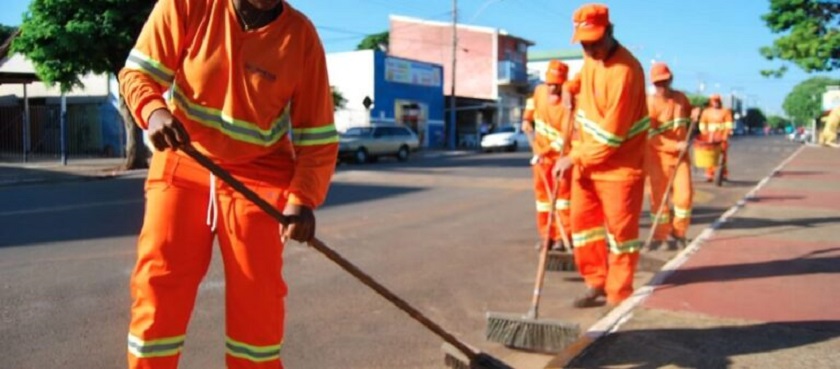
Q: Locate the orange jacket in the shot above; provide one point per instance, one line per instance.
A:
(716, 124)
(669, 122)
(551, 123)
(245, 97)
(611, 117)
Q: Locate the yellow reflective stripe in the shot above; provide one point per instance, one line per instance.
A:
(153, 68)
(682, 213)
(234, 128)
(315, 136)
(169, 346)
(529, 104)
(557, 145)
(728, 125)
(562, 204)
(673, 124)
(257, 354)
(580, 239)
(639, 127)
(625, 247)
(546, 129)
(543, 206)
(599, 134)
(665, 218)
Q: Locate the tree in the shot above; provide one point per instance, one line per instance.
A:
(812, 38)
(698, 101)
(777, 122)
(66, 39)
(339, 101)
(372, 42)
(804, 102)
(6, 32)
(755, 118)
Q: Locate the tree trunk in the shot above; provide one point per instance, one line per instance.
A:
(137, 154)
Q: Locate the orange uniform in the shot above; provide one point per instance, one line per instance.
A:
(669, 125)
(608, 180)
(551, 125)
(716, 125)
(258, 103)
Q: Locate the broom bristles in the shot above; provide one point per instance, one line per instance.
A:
(560, 262)
(457, 360)
(539, 335)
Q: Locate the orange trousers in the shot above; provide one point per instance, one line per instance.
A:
(542, 192)
(605, 232)
(174, 252)
(724, 150)
(660, 167)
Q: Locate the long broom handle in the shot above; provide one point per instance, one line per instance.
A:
(331, 254)
(671, 180)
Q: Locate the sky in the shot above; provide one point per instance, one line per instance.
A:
(714, 42)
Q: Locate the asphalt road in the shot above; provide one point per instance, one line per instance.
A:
(454, 235)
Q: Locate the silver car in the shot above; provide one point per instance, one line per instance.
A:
(365, 144)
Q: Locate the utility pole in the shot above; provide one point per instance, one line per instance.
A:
(452, 112)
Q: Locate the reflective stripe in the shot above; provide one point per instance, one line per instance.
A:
(625, 247)
(234, 128)
(674, 124)
(665, 218)
(153, 68)
(257, 354)
(607, 138)
(557, 145)
(562, 204)
(529, 104)
(682, 213)
(155, 348)
(546, 130)
(728, 125)
(581, 239)
(314, 136)
(543, 206)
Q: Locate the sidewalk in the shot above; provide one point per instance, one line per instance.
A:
(46, 172)
(762, 291)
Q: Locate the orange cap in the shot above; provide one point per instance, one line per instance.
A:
(591, 22)
(557, 72)
(660, 72)
(715, 97)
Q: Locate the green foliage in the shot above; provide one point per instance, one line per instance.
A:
(5, 32)
(811, 37)
(66, 39)
(777, 122)
(339, 101)
(804, 102)
(371, 42)
(755, 118)
(698, 101)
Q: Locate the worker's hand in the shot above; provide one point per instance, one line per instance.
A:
(166, 132)
(526, 127)
(681, 146)
(561, 165)
(301, 225)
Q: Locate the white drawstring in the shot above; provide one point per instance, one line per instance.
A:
(212, 207)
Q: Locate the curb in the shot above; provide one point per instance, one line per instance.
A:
(68, 178)
(624, 312)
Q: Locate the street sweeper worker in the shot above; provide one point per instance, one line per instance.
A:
(248, 88)
(608, 157)
(551, 124)
(670, 112)
(716, 125)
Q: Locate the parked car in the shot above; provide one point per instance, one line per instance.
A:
(364, 144)
(508, 138)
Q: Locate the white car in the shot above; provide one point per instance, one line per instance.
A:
(508, 138)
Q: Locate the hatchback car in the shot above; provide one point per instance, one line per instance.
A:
(364, 144)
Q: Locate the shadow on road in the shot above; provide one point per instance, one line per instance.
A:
(702, 347)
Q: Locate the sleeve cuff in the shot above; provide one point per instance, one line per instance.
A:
(147, 109)
(296, 199)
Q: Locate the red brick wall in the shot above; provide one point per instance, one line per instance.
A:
(476, 71)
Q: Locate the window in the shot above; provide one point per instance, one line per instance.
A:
(357, 132)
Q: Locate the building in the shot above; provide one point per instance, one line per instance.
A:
(30, 113)
(538, 63)
(399, 90)
(491, 82)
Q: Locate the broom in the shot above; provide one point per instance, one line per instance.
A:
(671, 179)
(529, 332)
(472, 359)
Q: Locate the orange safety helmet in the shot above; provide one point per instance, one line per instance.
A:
(557, 73)
(591, 22)
(660, 72)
